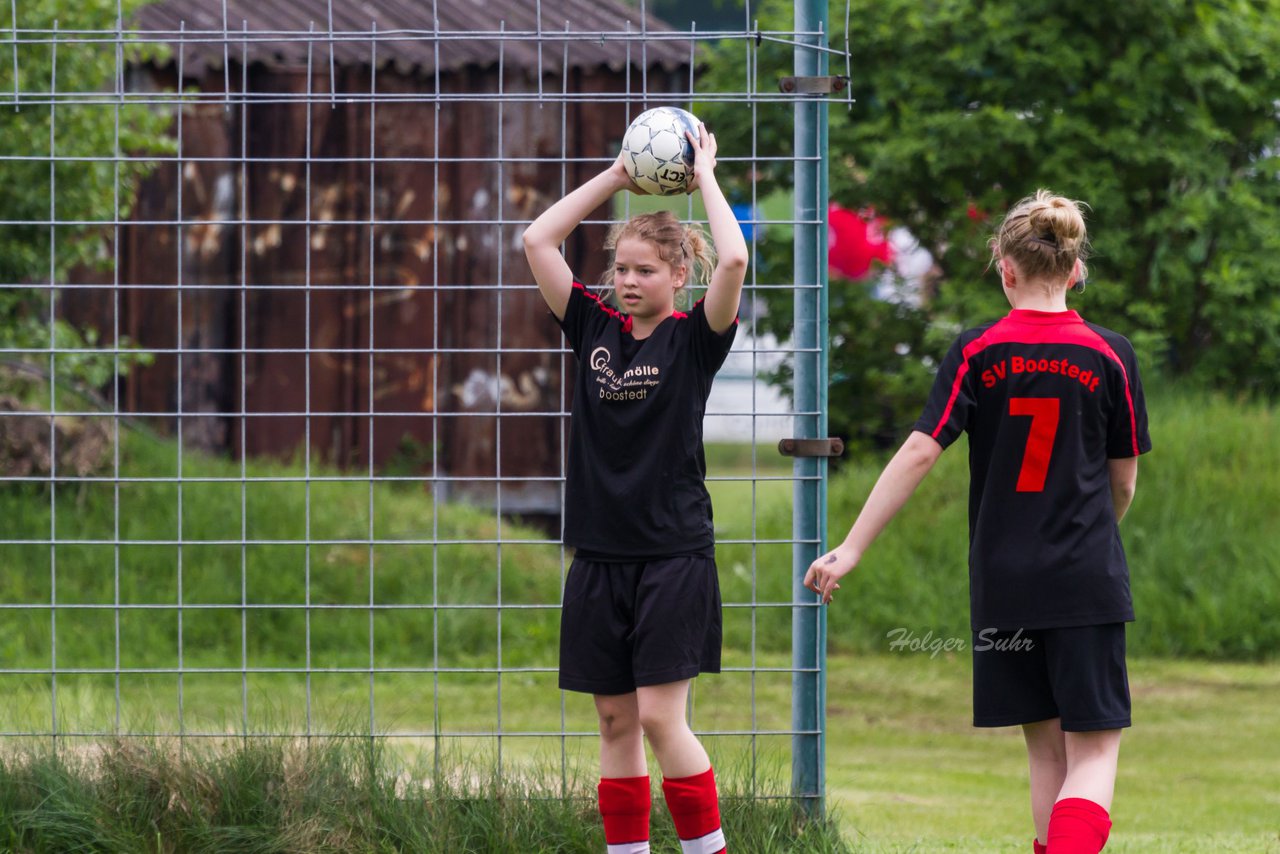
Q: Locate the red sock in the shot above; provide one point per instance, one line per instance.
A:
(624, 806)
(1038, 848)
(1077, 826)
(696, 811)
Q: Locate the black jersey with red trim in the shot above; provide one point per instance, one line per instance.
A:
(1047, 399)
(635, 482)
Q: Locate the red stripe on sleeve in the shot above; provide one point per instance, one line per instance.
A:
(1103, 347)
(971, 349)
(1079, 333)
(625, 319)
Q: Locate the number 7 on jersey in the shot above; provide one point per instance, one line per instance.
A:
(1044, 428)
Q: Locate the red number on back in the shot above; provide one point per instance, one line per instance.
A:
(1044, 427)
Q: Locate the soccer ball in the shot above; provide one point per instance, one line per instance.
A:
(655, 152)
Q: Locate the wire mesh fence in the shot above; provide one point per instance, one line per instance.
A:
(282, 415)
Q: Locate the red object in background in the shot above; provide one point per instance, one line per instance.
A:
(854, 240)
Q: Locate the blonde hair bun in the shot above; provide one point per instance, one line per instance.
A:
(1044, 235)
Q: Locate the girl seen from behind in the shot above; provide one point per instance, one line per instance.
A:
(1054, 410)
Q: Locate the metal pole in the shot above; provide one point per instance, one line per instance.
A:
(808, 627)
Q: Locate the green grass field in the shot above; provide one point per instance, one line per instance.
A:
(1200, 770)
(906, 772)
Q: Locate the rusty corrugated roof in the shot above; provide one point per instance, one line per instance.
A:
(462, 28)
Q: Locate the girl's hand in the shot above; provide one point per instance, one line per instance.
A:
(618, 171)
(826, 571)
(704, 156)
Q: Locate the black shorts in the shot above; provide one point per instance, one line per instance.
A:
(625, 625)
(1077, 674)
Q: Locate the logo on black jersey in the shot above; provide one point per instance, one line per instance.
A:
(634, 384)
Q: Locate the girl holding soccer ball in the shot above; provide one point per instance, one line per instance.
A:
(1054, 411)
(641, 613)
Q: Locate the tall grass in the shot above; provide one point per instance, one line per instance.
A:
(211, 568)
(327, 796)
(1201, 540)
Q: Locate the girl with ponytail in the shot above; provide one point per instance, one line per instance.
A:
(1054, 411)
(641, 612)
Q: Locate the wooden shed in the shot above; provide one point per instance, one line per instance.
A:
(333, 256)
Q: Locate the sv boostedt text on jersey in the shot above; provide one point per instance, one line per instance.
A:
(1018, 365)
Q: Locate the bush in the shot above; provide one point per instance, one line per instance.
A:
(1200, 540)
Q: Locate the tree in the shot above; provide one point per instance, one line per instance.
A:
(55, 121)
(1160, 114)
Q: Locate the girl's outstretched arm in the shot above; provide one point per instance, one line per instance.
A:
(898, 480)
(725, 289)
(544, 235)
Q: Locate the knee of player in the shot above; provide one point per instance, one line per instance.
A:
(1046, 744)
(658, 723)
(1048, 755)
(616, 724)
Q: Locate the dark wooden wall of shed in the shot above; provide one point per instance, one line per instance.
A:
(318, 364)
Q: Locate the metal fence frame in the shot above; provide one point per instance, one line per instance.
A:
(808, 350)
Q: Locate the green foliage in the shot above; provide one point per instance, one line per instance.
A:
(881, 363)
(60, 123)
(1161, 115)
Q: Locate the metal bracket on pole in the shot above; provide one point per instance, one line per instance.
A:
(812, 85)
(830, 447)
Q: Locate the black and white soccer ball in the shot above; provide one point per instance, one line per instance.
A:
(656, 153)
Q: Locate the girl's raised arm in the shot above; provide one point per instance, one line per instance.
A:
(544, 235)
(725, 290)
